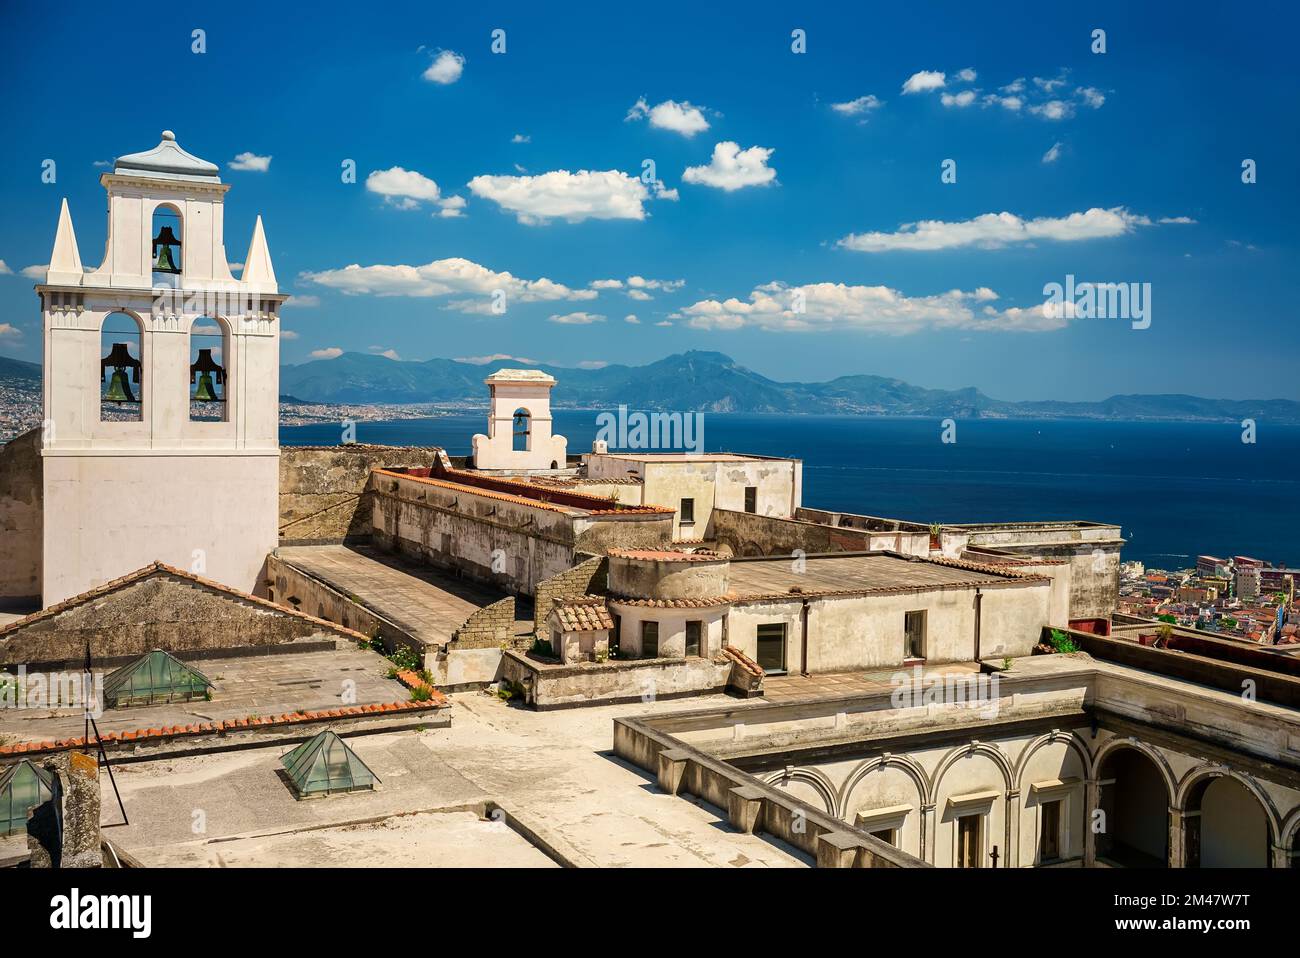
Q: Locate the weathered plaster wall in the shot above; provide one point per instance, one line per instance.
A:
(21, 503)
(746, 534)
(316, 598)
(668, 579)
(154, 613)
(558, 686)
(323, 488)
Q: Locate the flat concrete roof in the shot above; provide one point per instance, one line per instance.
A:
(849, 573)
(423, 601)
(262, 685)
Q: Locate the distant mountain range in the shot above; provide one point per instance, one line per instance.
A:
(710, 382)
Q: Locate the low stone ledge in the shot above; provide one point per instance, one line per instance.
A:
(672, 769)
(745, 808)
(837, 850)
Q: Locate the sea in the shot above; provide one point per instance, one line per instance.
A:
(1176, 490)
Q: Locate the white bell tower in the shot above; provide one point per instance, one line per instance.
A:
(519, 424)
(147, 452)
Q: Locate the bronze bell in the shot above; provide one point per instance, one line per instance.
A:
(166, 262)
(119, 359)
(205, 367)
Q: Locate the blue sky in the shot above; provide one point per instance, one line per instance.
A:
(472, 164)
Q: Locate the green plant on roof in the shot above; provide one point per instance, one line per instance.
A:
(1062, 642)
(421, 693)
(1166, 631)
(1006, 664)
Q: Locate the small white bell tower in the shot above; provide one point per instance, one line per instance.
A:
(519, 424)
(152, 447)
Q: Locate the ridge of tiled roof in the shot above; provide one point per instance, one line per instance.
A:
(705, 603)
(524, 500)
(138, 736)
(158, 567)
(666, 555)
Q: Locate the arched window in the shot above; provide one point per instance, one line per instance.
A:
(523, 438)
(207, 378)
(165, 249)
(121, 375)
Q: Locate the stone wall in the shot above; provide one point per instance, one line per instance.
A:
(746, 534)
(562, 686)
(487, 628)
(323, 489)
(21, 495)
(589, 577)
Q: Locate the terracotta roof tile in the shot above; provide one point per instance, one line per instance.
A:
(585, 614)
(666, 555)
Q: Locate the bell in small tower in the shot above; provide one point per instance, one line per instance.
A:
(120, 359)
(166, 261)
(205, 367)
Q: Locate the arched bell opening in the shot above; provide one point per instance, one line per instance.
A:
(207, 379)
(165, 248)
(523, 431)
(121, 372)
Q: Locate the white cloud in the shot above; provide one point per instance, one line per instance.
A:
(37, 271)
(576, 319)
(288, 334)
(384, 351)
(446, 68)
(606, 284)
(733, 168)
(446, 277)
(967, 75)
(586, 194)
(960, 100)
(250, 161)
(1052, 155)
(593, 364)
(303, 301)
(496, 358)
(863, 104)
(667, 285)
(1015, 86)
(9, 331)
(235, 267)
(684, 118)
(1176, 220)
(663, 322)
(924, 81)
(1053, 110)
(1012, 103)
(1091, 96)
(631, 318)
(1050, 86)
(405, 189)
(330, 352)
(451, 207)
(994, 230)
(4, 269)
(521, 138)
(639, 295)
(877, 309)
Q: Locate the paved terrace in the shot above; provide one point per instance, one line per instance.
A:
(555, 774)
(424, 601)
(260, 685)
(863, 572)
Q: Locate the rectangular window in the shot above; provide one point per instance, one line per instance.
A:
(914, 635)
(1049, 842)
(688, 510)
(693, 632)
(969, 844)
(887, 835)
(771, 647)
(751, 498)
(649, 640)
